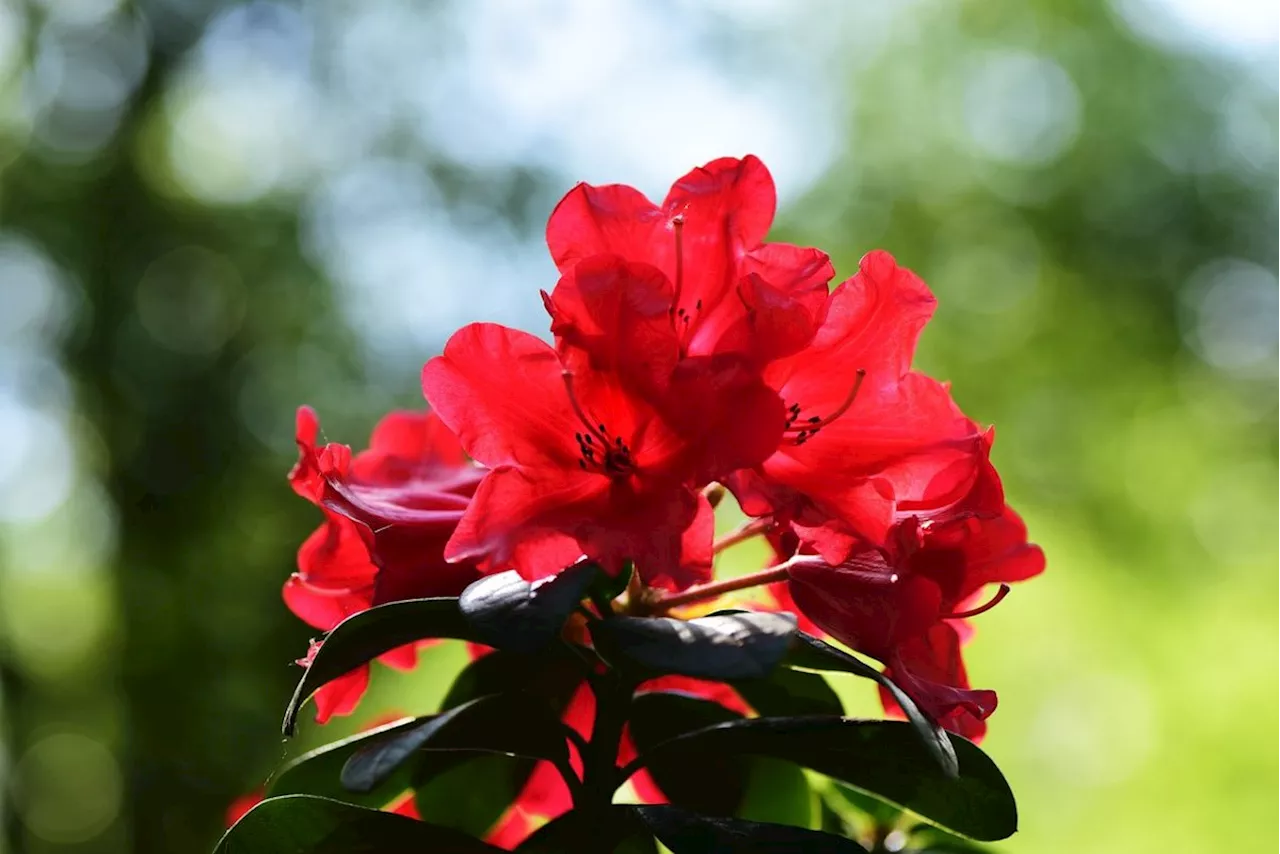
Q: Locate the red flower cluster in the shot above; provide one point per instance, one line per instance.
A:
(388, 513)
(686, 352)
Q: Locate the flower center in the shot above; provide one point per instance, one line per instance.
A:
(598, 451)
(802, 430)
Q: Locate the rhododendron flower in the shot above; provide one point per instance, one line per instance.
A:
(731, 292)
(585, 462)
(864, 433)
(388, 513)
(905, 604)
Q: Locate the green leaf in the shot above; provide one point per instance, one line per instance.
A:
(931, 840)
(721, 646)
(468, 792)
(703, 782)
(777, 792)
(689, 833)
(786, 692)
(813, 654)
(615, 829)
(508, 612)
(302, 824)
(364, 636)
(318, 772)
(884, 758)
(880, 813)
(497, 724)
(756, 788)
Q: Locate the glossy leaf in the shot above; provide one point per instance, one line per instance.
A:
(508, 612)
(319, 771)
(703, 782)
(550, 678)
(364, 636)
(302, 824)
(689, 833)
(613, 830)
(884, 758)
(467, 792)
(813, 654)
(497, 724)
(721, 646)
(786, 692)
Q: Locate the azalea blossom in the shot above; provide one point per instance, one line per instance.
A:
(389, 511)
(582, 461)
(907, 604)
(731, 293)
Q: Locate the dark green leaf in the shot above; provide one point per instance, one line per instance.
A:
(786, 692)
(884, 758)
(688, 833)
(301, 824)
(497, 724)
(703, 782)
(777, 792)
(614, 830)
(367, 635)
(551, 677)
(318, 772)
(721, 646)
(511, 613)
(468, 792)
(752, 787)
(877, 812)
(813, 654)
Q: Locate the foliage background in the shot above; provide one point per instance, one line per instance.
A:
(212, 212)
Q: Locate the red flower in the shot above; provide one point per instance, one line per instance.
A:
(864, 434)
(904, 604)
(587, 462)
(731, 292)
(388, 513)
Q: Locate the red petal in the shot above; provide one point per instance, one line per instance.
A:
(727, 207)
(342, 695)
(617, 316)
(518, 520)
(402, 657)
(931, 671)
(891, 445)
(614, 219)
(502, 392)
(865, 604)
(407, 446)
(305, 478)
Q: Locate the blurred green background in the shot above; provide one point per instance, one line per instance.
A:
(213, 212)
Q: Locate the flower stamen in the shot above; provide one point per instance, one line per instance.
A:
(805, 430)
(981, 609)
(611, 457)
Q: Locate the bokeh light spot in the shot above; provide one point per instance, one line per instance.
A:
(68, 788)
